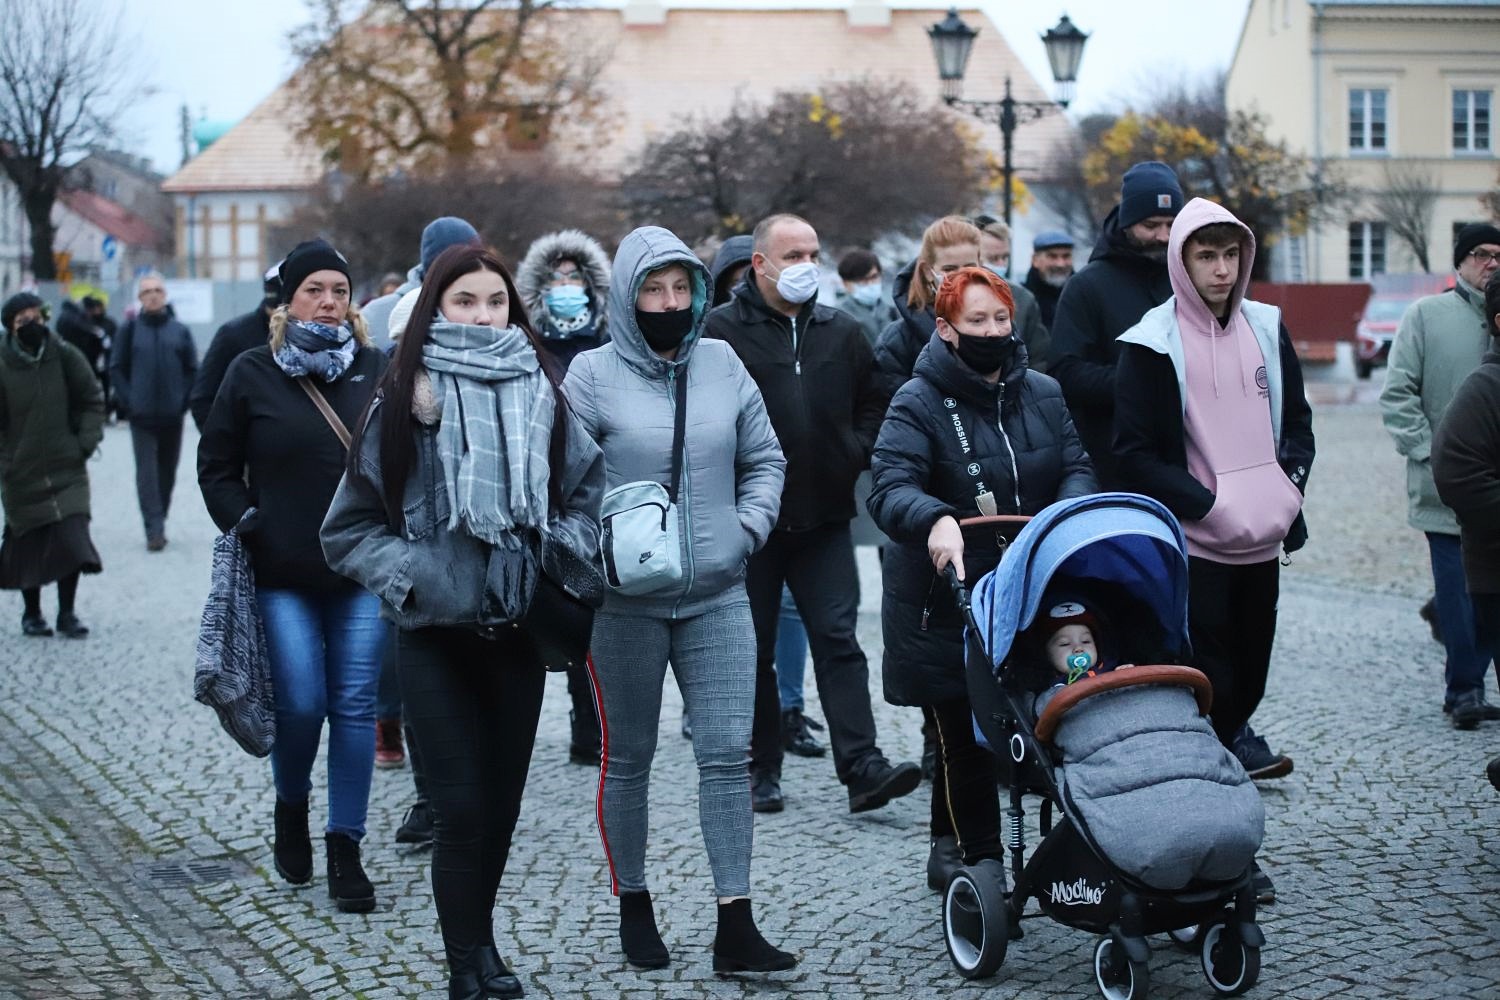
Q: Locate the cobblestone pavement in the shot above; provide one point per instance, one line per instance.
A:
(1377, 841)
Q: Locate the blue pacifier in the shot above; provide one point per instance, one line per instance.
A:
(1078, 665)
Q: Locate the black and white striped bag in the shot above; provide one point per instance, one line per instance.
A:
(232, 674)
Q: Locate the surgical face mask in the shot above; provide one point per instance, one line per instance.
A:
(566, 301)
(798, 283)
(984, 354)
(665, 331)
(1003, 272)
(867, 294)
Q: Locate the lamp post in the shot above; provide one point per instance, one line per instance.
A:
(952, 42)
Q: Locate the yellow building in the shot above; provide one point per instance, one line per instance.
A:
(1396, 97)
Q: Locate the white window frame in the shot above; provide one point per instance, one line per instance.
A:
(1365, 259)
(1489, 136)
(1368, 136)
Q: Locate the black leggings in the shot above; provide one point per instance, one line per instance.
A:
(965, 801)
(473, 704)
(67, 590)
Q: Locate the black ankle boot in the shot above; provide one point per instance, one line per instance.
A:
(495, 976)
(347, 884)
(738, 946)
(293, 848)
(638, 935)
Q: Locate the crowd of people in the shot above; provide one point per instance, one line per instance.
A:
(689, 440)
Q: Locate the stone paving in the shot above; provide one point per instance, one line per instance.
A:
(1378, 842)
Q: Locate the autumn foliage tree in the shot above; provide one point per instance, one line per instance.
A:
(389, 85)
(860, 158)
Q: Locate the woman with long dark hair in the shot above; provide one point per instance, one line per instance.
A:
(267, 446)
(467, 469)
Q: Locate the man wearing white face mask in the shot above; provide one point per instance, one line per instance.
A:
(815, 370)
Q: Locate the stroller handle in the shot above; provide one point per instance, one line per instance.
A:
(960, 592)
(1046, 725)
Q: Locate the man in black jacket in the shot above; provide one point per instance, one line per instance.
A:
(1125, 276)
(234, 338)
(815, 371)
(152, 365)
(1051, 267)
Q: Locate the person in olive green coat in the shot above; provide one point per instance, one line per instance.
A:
(51, 420)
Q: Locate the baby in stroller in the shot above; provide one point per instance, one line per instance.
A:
(1140, 767)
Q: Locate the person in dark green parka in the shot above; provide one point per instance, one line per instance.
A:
(51, 420)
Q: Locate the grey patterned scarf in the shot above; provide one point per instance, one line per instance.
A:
(316, 349)
(496, 427)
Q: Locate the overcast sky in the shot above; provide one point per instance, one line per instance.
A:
(221, 59)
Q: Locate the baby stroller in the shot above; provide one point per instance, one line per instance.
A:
(1127, 553)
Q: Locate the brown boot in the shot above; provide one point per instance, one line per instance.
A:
(389, 751)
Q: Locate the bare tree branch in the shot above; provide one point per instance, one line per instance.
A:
(1406, 203)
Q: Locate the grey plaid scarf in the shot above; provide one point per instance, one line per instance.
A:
(496, 427)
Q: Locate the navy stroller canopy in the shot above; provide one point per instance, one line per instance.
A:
(1118, 538)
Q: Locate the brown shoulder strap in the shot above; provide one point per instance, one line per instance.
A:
(321, 402)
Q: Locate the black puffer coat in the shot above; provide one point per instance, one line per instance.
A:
(1105, 298)
(1029, 457)
(897, 348)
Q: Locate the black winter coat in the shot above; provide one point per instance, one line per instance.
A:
(266, 445)
(897, 348)
(152, 365)
(1046, 297)
(1029, 457)
(1466, 468)
(238, 335)
(1105, 298)
(820, 393)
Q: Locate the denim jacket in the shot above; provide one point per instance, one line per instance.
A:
(426, 574)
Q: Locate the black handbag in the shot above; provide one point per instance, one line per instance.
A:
(560, 617)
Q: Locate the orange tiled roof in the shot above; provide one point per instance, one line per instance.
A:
(112, 217)
(697, 62)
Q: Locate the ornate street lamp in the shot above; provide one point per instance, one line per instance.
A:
(953, 42)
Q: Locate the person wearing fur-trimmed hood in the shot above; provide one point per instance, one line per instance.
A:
(564, 284)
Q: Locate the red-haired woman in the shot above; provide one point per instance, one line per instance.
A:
(974, 432)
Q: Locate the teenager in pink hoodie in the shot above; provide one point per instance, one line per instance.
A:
(1211, 419)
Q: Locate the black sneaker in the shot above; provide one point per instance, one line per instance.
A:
(943, 859)
(1265, 889)
(416, 828)
(796, 735)
(881, 782)
(35, 625)
(765, 793)
(69, 625)
(1255, 756)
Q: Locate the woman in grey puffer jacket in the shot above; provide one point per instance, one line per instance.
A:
(732, 470)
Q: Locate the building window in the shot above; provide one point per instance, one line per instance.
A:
(1471, 121)
(1366, 249)
(1367, 120)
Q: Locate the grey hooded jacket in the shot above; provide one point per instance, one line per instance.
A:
(732, 469)
(426, 574)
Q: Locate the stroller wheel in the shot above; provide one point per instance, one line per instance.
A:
(1117, 977)
(1230, 966)
(1185, 938)
(976, 920)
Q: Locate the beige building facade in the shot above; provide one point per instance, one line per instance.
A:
(1391, 96)
(666, 64)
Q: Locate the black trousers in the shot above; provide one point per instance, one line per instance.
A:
(157, 449)
(1232, 622)
(473, 704)
(1487, 619)
(818, 567)
(965, 800)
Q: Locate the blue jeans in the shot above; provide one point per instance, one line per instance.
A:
(325, 649)
(791, 653)
(1467, 660)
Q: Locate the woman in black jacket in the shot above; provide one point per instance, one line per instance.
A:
(266, 446)
(974, 432)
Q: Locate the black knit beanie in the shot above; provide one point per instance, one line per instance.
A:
(1473, 235)
(15, 305)
(1148, 189)
(306, 258)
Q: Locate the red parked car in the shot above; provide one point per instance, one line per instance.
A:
(1382, 315)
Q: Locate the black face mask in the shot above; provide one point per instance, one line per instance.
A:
(32, 334)
(985, 355)
(665, 331)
